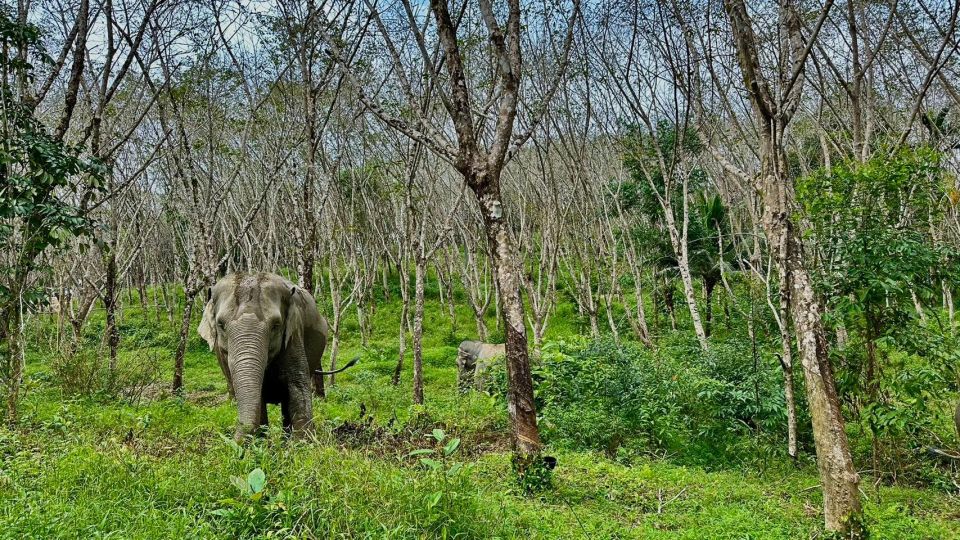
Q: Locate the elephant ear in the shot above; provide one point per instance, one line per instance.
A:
(208, 326)
(295, 313)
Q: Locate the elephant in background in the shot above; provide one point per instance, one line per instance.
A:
(269, 338)
(474, 359)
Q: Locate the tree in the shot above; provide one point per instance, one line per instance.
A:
(45, 187)
(483, 146)
(773, 109)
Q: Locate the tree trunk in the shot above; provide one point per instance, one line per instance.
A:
(708, 287)
(418, 328)
(334, 351)
(691, 296)
(786, 364)
(189, 295)
(110, 303)
(482, 331)
(404, 319)
(839, 478)
(395, 380)
(611, 322)
(520, 401)
(15, 359)
(841, 498)
(948, 300)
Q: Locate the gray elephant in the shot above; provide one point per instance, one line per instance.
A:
(269, 340)
(474, 359)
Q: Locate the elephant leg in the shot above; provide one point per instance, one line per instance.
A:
(318, 385)
(465, 366)
(287, 417)
(299, 380)
(264, 421)
(299, 410)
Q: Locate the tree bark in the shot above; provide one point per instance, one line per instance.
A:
(520, 401)
(418, 286)
(181, 352)
(13, 330)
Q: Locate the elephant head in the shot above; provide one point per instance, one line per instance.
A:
(249, 321)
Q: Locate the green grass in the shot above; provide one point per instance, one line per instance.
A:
(86, 467)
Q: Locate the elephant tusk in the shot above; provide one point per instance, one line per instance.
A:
(338, 370)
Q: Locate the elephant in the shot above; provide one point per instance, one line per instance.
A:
(269, 338)
(474, 359)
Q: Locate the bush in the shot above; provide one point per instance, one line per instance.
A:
(626, 400)
(86, 372)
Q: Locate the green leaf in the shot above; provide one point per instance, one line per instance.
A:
(439, 434)
(256, 480)
(240, 484)
(434, 499)
(451, 446)
(454, 469)
(432, 463)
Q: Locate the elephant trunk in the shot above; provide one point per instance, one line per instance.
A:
(247, 350)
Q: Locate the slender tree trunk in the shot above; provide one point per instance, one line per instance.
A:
(181, 352)
(142, 290)
(786, 364)
(110, 303)
(15, 359)
(638, 320)
(670, 303)
(918, 306)
(385, 281)
(419, 271)
(708, 287)
(948, 300)
(611, 322)
(691, 295)
(334, 350)
(482, 331)
(839, 478)
(451, 303)
(395, 380)
(678, 239)
(404, 319)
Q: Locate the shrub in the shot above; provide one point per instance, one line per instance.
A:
(86, 372)
(626, 400)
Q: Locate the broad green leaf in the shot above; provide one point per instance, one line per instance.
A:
(451, 446)
(256, 479)
(240, 484)
(432, 463)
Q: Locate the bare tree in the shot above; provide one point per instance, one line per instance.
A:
(773, 109)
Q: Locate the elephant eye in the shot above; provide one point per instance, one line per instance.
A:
(221, 325)
(275, 326)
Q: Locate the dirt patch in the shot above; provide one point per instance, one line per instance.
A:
(397, 441)
(208, 398)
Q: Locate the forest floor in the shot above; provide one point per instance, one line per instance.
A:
(166, 467)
